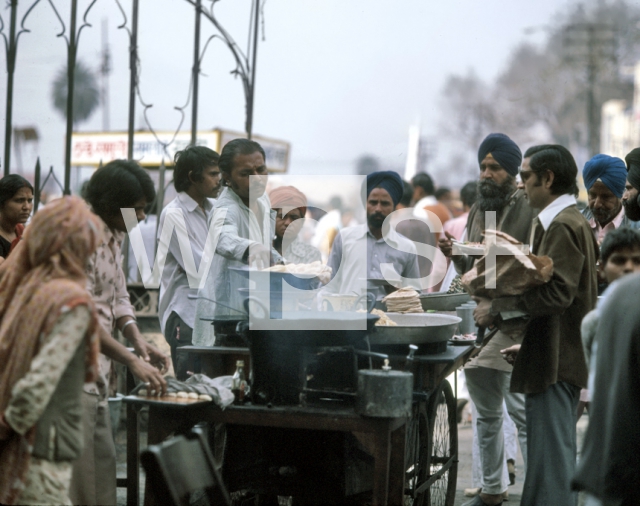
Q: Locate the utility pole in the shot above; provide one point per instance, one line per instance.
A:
(12, 49)
(133, 76)
(591, 45)
(195, 74)
(72, 53)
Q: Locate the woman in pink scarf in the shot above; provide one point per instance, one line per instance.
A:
(47, 350)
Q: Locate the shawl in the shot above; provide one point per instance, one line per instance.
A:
(43, 278)
(288, 197)
(19, 232)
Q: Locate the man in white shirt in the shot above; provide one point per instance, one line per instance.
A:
(196, 178)
(384, 190)
(244, 219)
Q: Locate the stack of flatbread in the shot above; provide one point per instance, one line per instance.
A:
(317, 268)
(404, 300)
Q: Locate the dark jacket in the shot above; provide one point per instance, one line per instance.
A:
(610, 462)
(552, 348)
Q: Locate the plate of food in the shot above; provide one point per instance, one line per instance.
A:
(468, 248)
(463, 339)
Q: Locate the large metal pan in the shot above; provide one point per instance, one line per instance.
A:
(415, 328)
(305, 328)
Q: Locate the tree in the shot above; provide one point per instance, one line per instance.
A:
(468, 112)
(366, 164)
(542, 93)
(86, 93)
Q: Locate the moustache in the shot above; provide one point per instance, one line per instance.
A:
(376, 218)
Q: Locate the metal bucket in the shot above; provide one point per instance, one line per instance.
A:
(384, 394)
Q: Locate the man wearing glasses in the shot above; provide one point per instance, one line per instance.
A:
(549, 367)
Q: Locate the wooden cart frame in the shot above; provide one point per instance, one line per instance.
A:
(416, 459)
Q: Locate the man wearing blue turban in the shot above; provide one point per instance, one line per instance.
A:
(487, 375)
(383, 192)
(605, 178)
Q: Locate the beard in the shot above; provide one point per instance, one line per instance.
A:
(494, 196)
(375, 220)
(632, 209)
(604, 217)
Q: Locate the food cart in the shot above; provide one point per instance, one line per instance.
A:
(308, 382)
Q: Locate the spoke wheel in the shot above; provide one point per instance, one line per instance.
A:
(443, 448)
(417, 445)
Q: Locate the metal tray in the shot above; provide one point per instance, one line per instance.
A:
(443, 301)
(415, 328)
(164, 401)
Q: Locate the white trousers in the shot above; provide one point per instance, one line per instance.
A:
(489, 391)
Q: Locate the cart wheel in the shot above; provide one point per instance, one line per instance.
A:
(417, 444)
(443, 454)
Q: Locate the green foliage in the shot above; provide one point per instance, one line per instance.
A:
(86, 94)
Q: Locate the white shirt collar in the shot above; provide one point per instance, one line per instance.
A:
(191, 205)
(548, 214)
(391, 237)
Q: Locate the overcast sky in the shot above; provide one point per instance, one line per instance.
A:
(335, 78)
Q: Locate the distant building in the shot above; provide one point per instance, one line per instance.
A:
(620, 127)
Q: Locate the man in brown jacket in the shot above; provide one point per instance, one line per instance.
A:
(550, 367)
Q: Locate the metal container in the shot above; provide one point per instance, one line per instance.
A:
(415, 328)
(278, 353)
(384, 393)
(467, 324)
(443, 301)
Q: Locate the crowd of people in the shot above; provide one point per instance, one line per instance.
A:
(558, 348)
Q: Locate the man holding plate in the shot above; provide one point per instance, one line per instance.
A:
(488, 375)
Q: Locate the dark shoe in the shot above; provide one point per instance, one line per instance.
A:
(511, 468)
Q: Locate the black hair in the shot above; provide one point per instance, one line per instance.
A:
(557, 159)
(9, 186)
(469, 193)
(620, 238)
(441, 192)
(335, 202)
(237, 147)
(407, 194)
(424, 181)
(119, 184)
(193, 161)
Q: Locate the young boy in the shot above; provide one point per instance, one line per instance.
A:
(620, 255)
